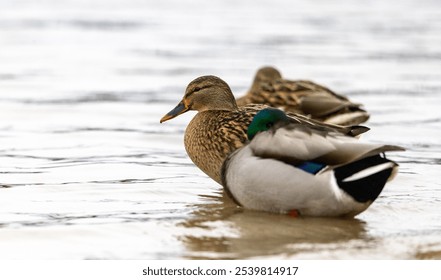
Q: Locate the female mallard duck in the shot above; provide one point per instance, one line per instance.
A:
(220, 126)
(302, 97)
(291, 167)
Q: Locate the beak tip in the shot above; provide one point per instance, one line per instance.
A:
(179, 109)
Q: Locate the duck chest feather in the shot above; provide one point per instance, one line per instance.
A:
(212, 135)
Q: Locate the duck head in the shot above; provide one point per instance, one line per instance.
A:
(265, 74)
(264, 120)
(203, 94)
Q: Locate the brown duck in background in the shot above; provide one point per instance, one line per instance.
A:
(302, 97)
(220, 126)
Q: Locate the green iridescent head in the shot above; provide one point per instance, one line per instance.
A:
(264, 120)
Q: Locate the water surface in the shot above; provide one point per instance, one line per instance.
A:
(87, 171)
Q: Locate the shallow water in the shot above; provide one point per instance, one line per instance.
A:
(87, 171)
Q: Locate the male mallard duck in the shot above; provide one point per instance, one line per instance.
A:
(220, 126)
(291, 167)
(302, 97)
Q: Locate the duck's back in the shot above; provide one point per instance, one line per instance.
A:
(306, 98)
(285, 93)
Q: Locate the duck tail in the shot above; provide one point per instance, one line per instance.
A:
(364, 179)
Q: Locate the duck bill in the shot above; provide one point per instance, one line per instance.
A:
(179, 109)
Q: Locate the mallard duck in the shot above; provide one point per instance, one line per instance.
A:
(290, 167)
(302, 97)
(220, 126)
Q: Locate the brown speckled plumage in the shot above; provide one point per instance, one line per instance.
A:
(302, 97)
(220, 126)
(212, 135)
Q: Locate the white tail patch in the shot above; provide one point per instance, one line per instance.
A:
(343, 119)
(369, 171)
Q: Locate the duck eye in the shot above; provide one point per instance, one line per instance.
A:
(196, 89)
(269, 124)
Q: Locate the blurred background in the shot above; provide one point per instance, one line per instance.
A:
(87, 171)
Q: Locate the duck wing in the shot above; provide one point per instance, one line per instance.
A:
(297, 143)
(322, 104)
(350, 130)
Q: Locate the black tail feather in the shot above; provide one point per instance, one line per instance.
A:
(366, 188)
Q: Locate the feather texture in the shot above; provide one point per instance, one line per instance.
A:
(300, 143)
(302, 97)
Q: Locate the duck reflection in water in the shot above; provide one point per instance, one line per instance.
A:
(219, 229)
